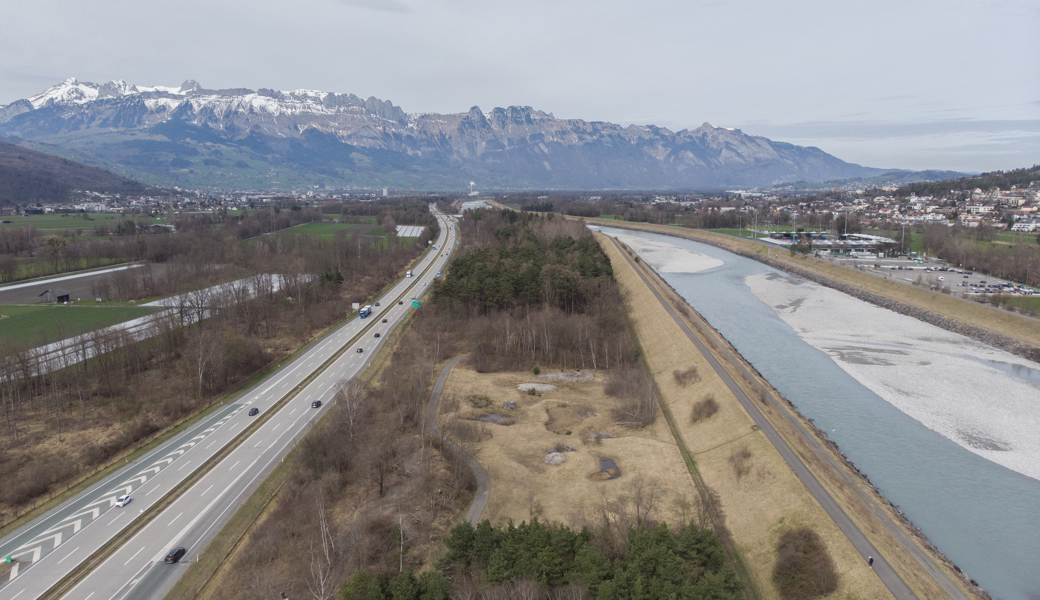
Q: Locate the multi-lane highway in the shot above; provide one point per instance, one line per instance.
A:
(213, 466)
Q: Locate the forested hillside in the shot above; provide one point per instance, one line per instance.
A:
(29, 177)
(986, 181)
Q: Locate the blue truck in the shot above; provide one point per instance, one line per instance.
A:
(365, 311)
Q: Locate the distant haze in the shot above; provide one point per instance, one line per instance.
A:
(926, 84)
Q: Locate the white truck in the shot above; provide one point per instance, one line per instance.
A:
(408, 274)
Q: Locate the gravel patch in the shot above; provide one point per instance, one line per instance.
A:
(538, 387)
(571, 376)
(666, 258)
(951, 383)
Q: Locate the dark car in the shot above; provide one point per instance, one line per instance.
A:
(254, 411)
(377, 304)
(377, 334)
(400, 301)
(316, 404)
(360, 350)
(175, 555)
(384, 320)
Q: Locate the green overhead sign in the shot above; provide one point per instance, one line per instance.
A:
(416, 303)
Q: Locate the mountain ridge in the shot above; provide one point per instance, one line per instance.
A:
(190, 135)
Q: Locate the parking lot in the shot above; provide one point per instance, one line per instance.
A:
(937, 275)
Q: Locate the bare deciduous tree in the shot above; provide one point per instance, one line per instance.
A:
(323, 554)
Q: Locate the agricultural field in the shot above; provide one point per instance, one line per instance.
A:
(37, 325)
(27, 268)
(323, 230)
(53, 224)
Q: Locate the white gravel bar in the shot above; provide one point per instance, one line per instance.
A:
(666, 258)
(964, 390)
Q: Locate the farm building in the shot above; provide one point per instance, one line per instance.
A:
(55, 295)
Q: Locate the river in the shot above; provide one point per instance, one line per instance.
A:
(983, 516)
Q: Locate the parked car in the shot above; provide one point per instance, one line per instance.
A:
(316, 404)
(254, 411)
(123, 500)
(175, 555)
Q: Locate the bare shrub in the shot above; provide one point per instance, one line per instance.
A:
(574, 590)
(638, 406)
(704, 409)
(685, 378)
(467, 432)
(741, 461)
(478, 401)
(804, 570)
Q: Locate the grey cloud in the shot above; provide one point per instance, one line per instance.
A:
(390, 6)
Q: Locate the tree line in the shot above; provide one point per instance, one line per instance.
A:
(535, 560)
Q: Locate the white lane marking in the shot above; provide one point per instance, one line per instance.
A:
(277, 425)
(151, 490)
(205, 510)
(235, 425)
(207, 489)
(68, 555)
(19, 593)
(210, 444)
(134, 556)
(174, 520)
(184, 465)
(258, 444)
(89, 595)
(234, 465)
(293, 410)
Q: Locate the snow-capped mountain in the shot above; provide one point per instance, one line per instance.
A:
(227, 138)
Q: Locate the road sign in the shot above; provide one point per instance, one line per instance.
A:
(416, 303)
(355, 306)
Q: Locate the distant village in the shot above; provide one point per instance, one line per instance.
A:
(176, 201)
(1016, 209)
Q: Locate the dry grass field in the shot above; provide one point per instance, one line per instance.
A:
(523, 485)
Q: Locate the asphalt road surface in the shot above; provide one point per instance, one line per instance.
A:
(54, 545)
(480, 498)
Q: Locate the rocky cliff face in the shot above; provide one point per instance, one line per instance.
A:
(190, 135)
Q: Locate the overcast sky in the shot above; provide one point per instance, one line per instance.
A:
(943, 84)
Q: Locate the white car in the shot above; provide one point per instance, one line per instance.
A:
(123, 500)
